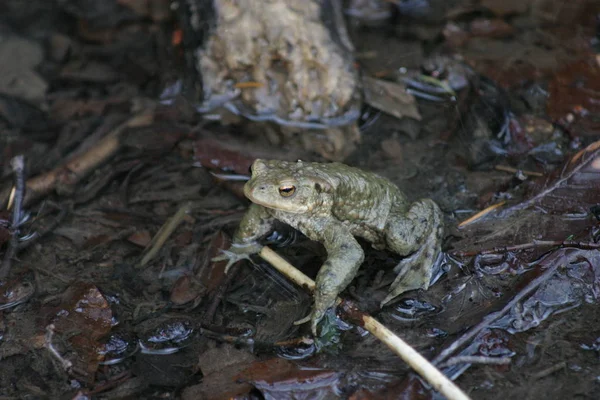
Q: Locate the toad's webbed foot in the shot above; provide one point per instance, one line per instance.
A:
(256, 223)
(238, 252)
(419, 236)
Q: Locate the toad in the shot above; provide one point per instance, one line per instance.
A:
(332, 203)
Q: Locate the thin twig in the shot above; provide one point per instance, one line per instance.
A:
(18, 166)
(415, 360)
(550, 370)
(164, 232)
(66, 364)
(505, 168)
(530, 245)
(481, 214)
(475, 360)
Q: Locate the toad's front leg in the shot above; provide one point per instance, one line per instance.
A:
(256, 223)
(344, 257)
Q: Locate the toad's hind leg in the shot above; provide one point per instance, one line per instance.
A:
(417, 235)
(344, 258)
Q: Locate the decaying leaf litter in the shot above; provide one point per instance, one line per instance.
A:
(498, 87)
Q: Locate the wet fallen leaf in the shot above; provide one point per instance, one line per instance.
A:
(214, 154)
(279, 378)
(390, 97)
(212, 277)
(186, 289)
(84, 310)
(140, 238)
(231, 153)
(220, 366)
(84, 316)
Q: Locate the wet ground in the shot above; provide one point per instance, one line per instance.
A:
(108, 288)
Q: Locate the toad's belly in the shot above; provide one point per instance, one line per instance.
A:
(313, 227)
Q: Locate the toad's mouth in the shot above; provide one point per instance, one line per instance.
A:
(289, 208)
(254, 195)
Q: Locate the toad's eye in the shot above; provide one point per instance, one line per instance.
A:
(287, 190)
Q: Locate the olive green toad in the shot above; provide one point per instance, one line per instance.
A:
(331, 203)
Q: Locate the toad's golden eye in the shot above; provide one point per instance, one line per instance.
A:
(287, 190)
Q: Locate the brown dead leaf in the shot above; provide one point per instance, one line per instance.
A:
(84, 316)
(225, 152)
(390, 97)
(220, 367)
(279, 378)
(218, 155)
(213, 276)
(186, 289)
(140, 238)
(87, 311)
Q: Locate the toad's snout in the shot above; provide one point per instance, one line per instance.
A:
(251, 190)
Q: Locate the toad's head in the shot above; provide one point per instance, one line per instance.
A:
(293, 187)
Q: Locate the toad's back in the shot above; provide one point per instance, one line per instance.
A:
(361, 198)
